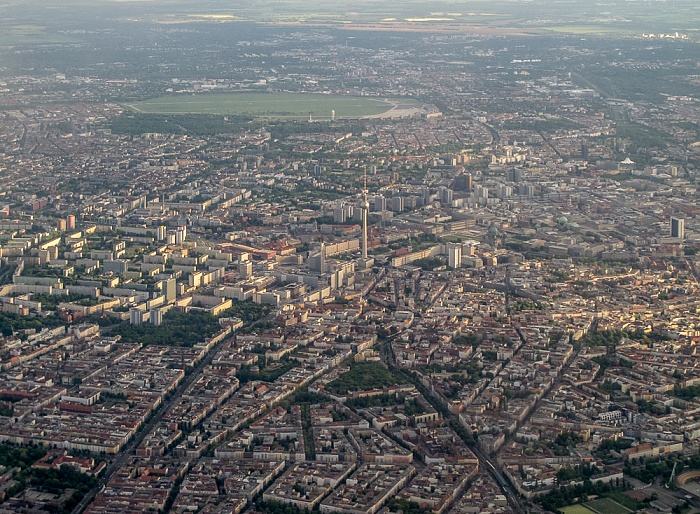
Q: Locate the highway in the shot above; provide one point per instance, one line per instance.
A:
(126, 453)
(495, 136)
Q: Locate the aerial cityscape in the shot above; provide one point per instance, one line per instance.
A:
(363, 257)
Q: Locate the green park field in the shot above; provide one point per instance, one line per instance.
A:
(607, 506)
(13, 35)
(600, 506)
(266, 105)
(575, 509)
(588, 30)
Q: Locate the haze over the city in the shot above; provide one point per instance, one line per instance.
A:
(411, 257)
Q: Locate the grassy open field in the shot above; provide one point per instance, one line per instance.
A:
(607, 506)
(271, 105)
(576, 509)
(625, 500)
(14, 35)
(593, 29)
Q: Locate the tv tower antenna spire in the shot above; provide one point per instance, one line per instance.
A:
(364, 181)
(364, 205)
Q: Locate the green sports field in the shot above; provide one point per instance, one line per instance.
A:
(575, 509)
(272, 105)
(601, 506)
(607, 506)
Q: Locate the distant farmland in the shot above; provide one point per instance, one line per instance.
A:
(266, 105)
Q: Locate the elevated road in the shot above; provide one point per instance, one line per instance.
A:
(510, 493)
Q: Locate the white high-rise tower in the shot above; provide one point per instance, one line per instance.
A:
(323, 258)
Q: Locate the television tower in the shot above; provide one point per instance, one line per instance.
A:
(364, 205)
(323, 257)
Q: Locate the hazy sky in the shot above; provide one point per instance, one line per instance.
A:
(649, 14)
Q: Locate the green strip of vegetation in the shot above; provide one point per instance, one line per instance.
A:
(307, 427)
(275, 507)
(190, 124)
(11, 323)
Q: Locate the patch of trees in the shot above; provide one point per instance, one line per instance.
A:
(526, 305)
(609, 338)
(405, 506)
(42, 272)
(687, 393)
(542, 125)
(489, 355)
(515, 246)
(265, 374)
(469, 339)
(364, 376)
(608, 447)
(509, 393)
(15, 456)
(284, 129)
(6, 273)
(564, 496)
(648, 470)
(56, 481)
(51, 301)
(465, 373)
(429, 263)
(247, 311)
(558, 276)
(258, 327)
(11, 323)
(178, 329)
(191, 124)
(380, 400)
(560, 446)
(303, 396)
(413, 407)
(641, 136)
(275, 507)
(53, 481)
(582, 471)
